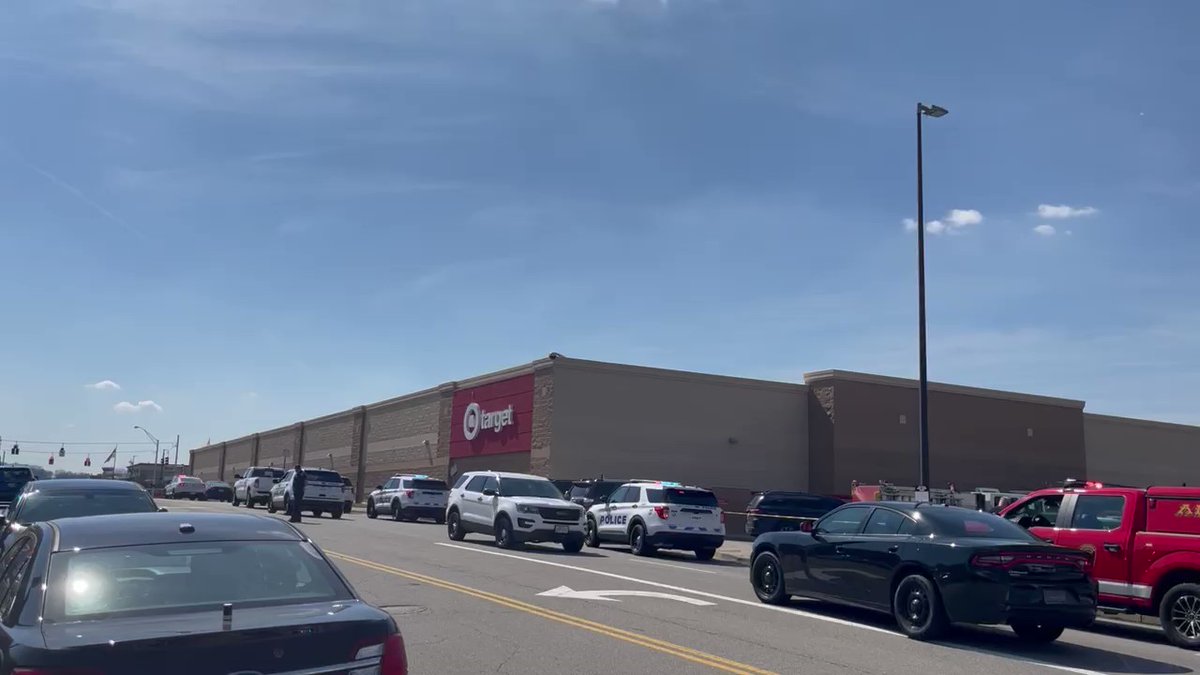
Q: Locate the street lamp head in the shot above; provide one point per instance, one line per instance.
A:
(932, 110)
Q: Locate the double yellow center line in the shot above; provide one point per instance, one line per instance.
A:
(678, 651)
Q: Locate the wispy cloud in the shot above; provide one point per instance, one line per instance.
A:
(954, 222)
(75, 192)
(104, 385)
(1062, 211)
(1045, 230)
(125, 407)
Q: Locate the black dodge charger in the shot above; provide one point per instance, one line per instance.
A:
(190, 594)
(929, 566)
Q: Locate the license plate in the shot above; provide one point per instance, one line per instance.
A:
(560, 529)
(1056, 596)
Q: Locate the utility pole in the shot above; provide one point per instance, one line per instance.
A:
(176, 449)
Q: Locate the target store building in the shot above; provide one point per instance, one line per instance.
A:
(571, 418)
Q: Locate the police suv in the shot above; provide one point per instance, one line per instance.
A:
(409, 497)
(652, 515)
(515, 508)
(322, 493)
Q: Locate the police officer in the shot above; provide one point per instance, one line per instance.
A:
(298, 479)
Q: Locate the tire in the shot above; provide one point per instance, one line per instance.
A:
(705, 554)
(336, 514)
(1039, 633)
(235, 501)
(371, 509)
(593, 534)
(454, 528)
(573, 546)
(347, 507)
(766, 576)
(504, 533)
(249, 501)
(1179, 614)
(317, 513)
(397, 512)
(271, 506)
(917, 608)
(637, 541)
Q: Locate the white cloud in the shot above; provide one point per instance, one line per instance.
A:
(1063, 211)
(964, 217)
(953, 223)
(1045, 230)
(910, 225)
(127, 407)
(104, 385)
(935, 227)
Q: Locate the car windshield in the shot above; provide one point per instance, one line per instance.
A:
(528, 487)
(15, 475)
(186, 577)
(40, 506)
(429, 484)
(266, 473)
(317, 476)
(956, 522)
(216, 483)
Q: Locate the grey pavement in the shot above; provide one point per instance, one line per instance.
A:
(467, 607)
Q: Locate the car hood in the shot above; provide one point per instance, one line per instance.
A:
(542, 501)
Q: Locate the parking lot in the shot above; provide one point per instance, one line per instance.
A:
(470, 607)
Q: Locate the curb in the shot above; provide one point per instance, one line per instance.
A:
(738, 557)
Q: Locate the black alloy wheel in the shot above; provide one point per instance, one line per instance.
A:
(1180, 616)
(593, 534)
(397, 511)
(371, 509)
(637, 541)
(504, 533)
(454, 528)
(766, 576)
(918, 608)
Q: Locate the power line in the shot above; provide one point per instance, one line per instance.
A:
(62, 444)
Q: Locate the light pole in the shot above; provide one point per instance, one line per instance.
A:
(923, 401)
(157, 463)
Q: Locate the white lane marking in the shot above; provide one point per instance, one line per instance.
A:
(568, 592)
(678, 567)
(738, 601)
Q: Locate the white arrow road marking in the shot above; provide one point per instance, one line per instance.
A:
(568, 592)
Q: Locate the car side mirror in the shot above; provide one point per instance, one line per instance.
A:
(162, 509)
(808, 526)
(237, 476)
(378, 487)
(489, 492)
(275, 480)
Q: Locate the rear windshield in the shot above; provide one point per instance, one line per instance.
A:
(429, 484)
(266, 473)
(190, 480)
(683, 497)
(40, 506)
(186, 577)
(313, 476)
(956, 522)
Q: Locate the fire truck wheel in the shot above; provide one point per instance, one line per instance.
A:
(1180, 615)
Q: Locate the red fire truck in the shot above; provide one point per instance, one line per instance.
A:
(1144, 542)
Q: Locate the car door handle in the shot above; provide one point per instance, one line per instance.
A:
(839, 550)
(893, 549)
(1112, 548)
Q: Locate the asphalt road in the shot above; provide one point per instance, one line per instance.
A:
(472, 608)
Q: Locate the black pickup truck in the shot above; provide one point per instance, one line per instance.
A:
(12, 481)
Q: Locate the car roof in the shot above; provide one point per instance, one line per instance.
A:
(505, 474)
(82, 484)
(660, 484)
(134, 529)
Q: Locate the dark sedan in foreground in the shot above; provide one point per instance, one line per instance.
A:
(929, 566)
(184, 594)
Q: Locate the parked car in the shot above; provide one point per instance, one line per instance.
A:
(218, 490)
(12, 481)
(347, 495)
(779, 510)
(587, 493)
(322, 493)
(647, 516)
(72, 498)
(928, 566)
(185, 487)
(514, 508)
(205, 593)
(410, 497)
(1144, 543)
(254, 485)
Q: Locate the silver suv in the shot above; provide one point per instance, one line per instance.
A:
(515, 508)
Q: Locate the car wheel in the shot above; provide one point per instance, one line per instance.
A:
(705, 553)
(918, 608)
(1180, 615)
(316, 513)
(336, 514)
(1030, 631)
(371, 509)
(454, 527)
(593, 533)
(249, 502)
(504, 533)
(235, 501)
(347, 507)
(573, 545)
(271, 506)
(766, 576)
(637, 541)
(397, 512)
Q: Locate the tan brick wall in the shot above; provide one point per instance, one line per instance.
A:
(278, 448)
(543, 419)
(239, 454)
(330, 436)
(1140, 452)
(402, 437)
(206, 462)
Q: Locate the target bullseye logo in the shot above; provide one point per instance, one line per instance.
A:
(476, 419)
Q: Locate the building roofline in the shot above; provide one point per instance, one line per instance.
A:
(561, 361)
(886, 380)
(1154, 424)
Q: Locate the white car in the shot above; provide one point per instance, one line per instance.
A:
(322, 493)
(347, 495)
(254, 485)
(515, 508)
(651, 515)
(409, 497)
(185, 487)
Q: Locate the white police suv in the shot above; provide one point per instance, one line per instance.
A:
(652, 515)
(409, 497)
(515, 508)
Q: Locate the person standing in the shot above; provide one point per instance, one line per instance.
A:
(298, 480)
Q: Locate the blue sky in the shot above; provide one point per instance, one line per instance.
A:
(250, 213)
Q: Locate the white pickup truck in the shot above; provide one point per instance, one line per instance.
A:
(254, 485)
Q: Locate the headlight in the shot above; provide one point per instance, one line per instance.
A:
(526, 508)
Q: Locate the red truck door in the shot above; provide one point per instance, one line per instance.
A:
(1101, 522)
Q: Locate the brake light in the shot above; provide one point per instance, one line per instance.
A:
(408, 493)
(722, 516)
(662, 512)
(393, 659)
(1006, 561)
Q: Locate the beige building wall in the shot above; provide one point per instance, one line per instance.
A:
(238, 455)
(402, 437)
(328, 441)
(1141, 452)
(206, 462)
(278, 447)
(724, 433)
